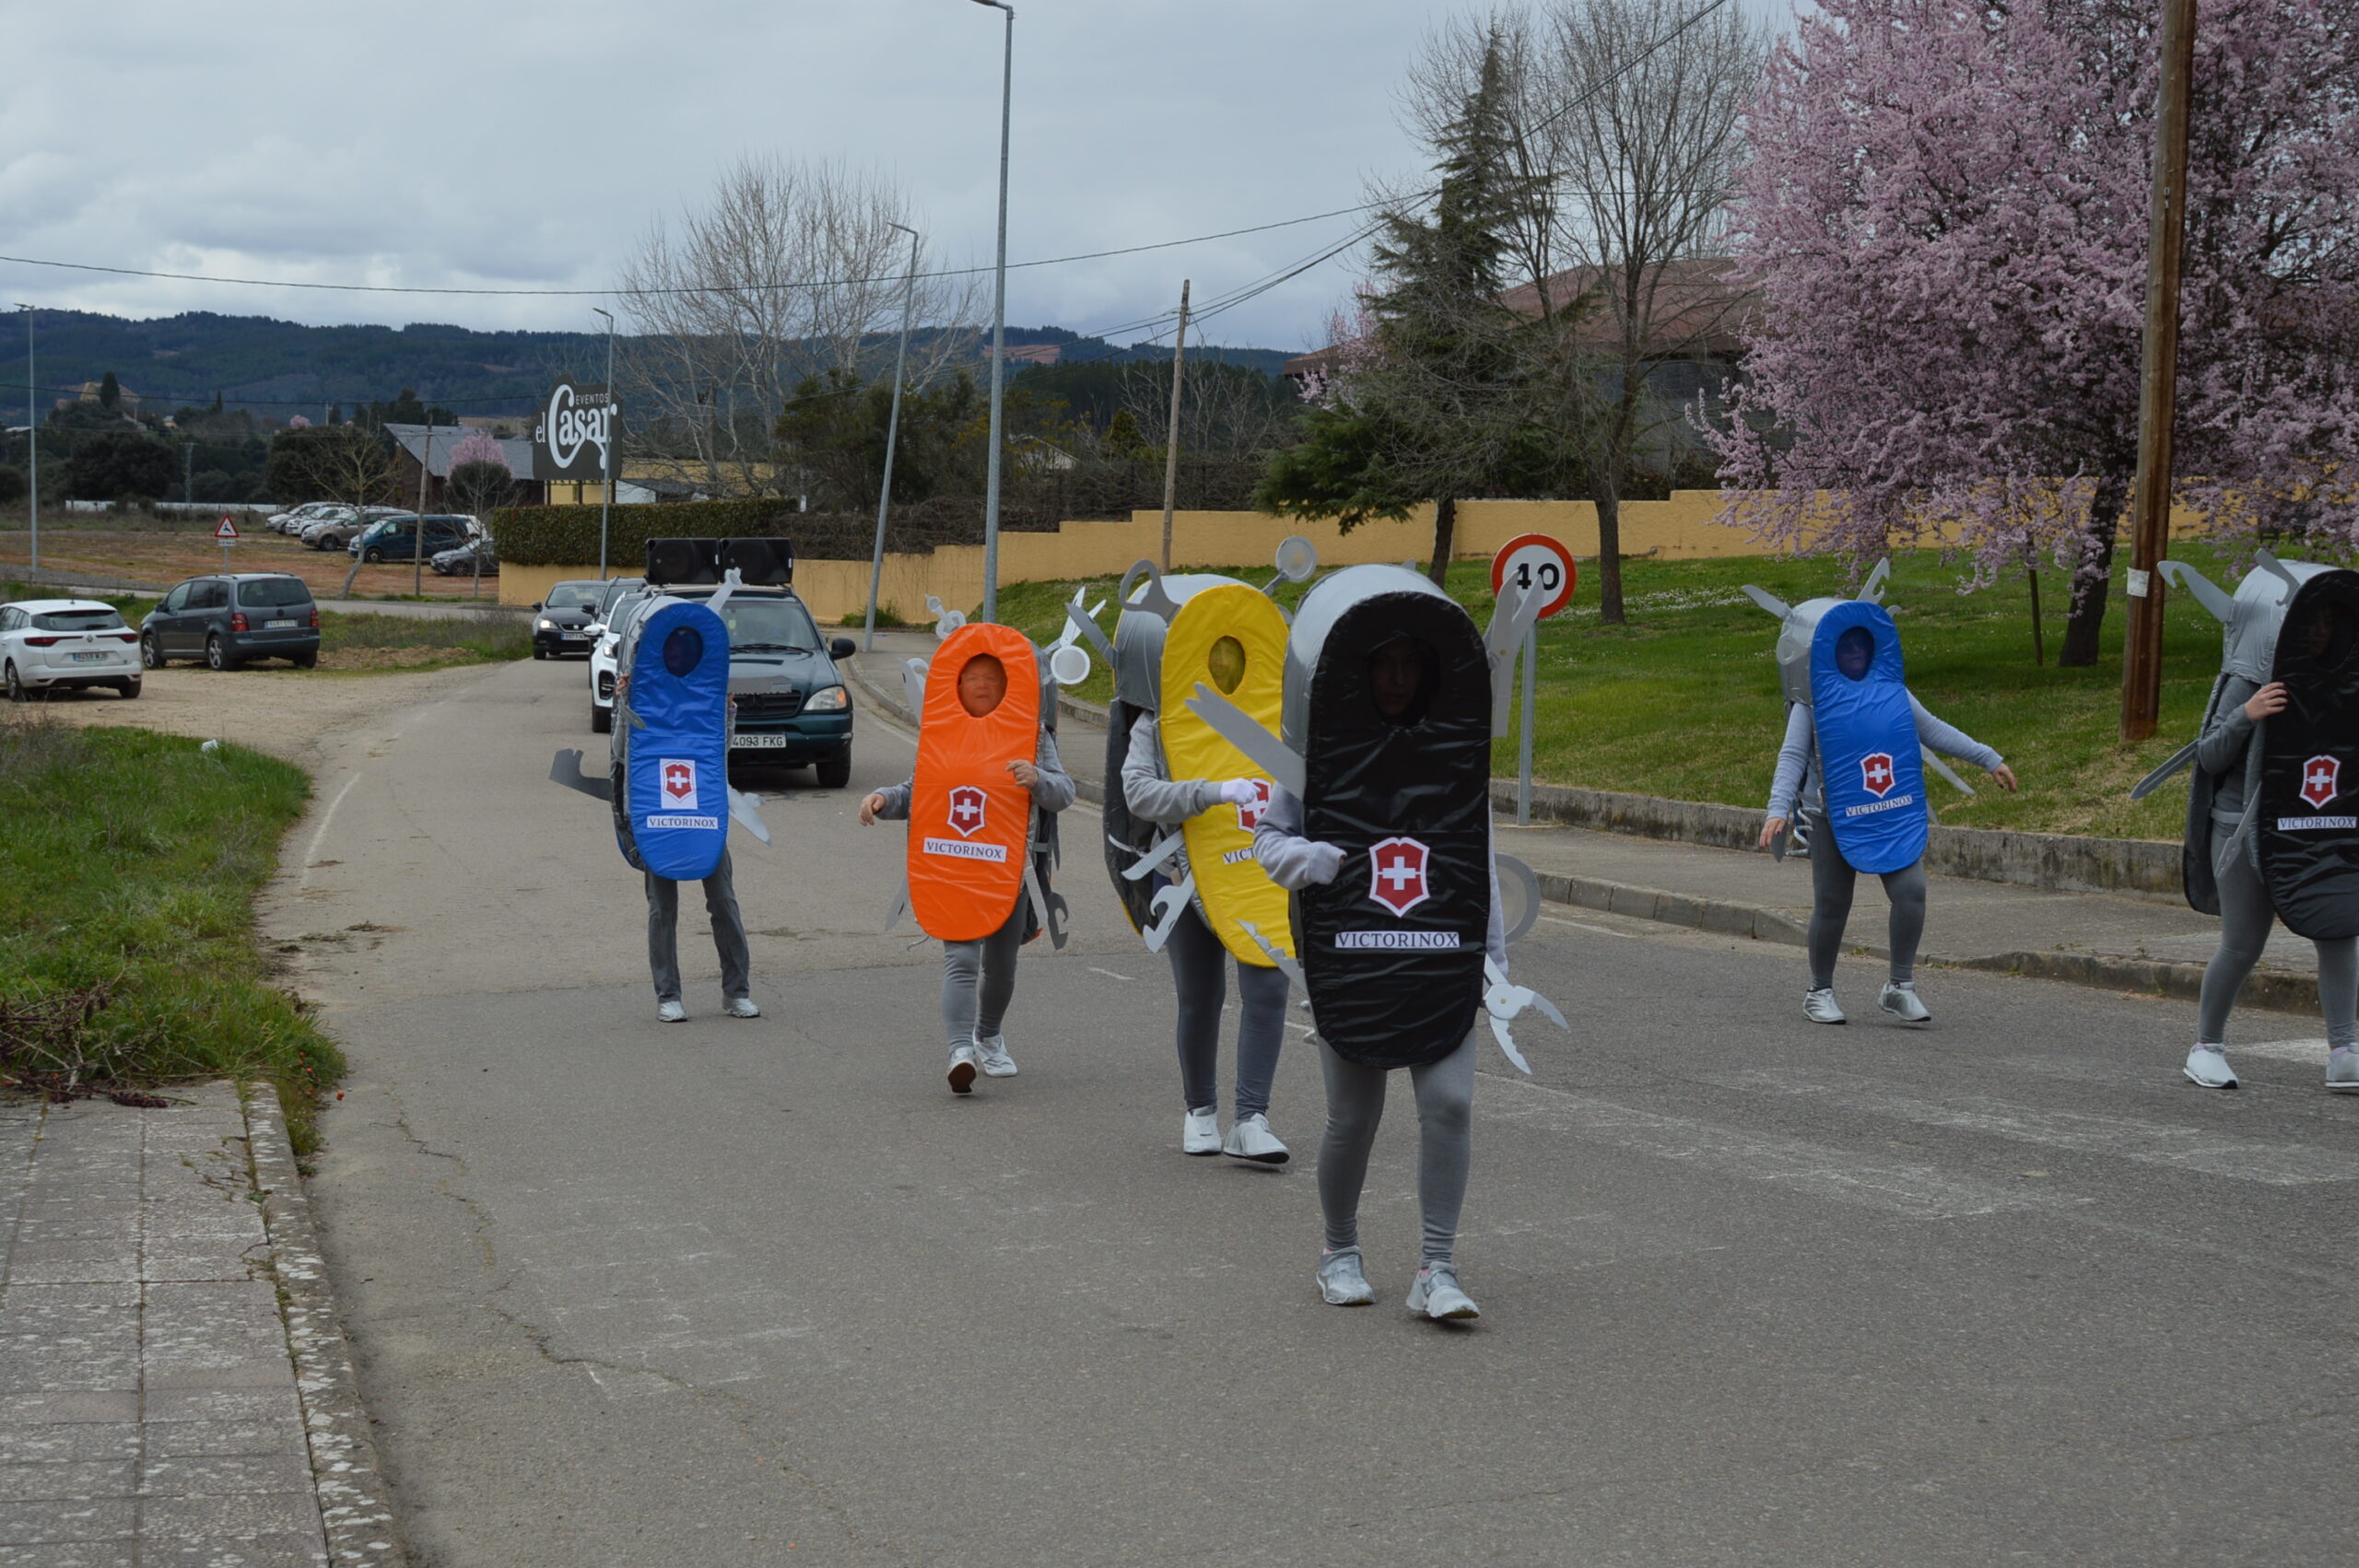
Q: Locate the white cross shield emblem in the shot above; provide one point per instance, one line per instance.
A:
(966, 804)
(1875, 772)
(1397, 874)
(1249, 817)
(680, 780)
(2321, 780)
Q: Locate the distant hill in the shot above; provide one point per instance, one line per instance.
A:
(280, 368)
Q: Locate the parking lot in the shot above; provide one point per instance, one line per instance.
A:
(162, 557)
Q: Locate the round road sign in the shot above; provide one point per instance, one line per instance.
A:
(1534, 560)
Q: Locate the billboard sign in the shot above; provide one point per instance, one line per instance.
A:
(574, 432)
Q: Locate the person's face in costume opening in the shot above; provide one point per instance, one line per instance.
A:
(683, 650)
(1227, 660)
(1854, 651)
(1400, 679)
(982, 683)
(2329, 635)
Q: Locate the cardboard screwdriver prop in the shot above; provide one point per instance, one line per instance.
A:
(1392, 950)
(668, 776)
(1886, 758)
(2296, 622)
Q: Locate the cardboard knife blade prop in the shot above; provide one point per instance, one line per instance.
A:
(1236, 727)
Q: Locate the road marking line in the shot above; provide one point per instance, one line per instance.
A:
(2147, 1143)
(1584, 925)
(312, 851)
(1814, 1169)
(1108, 973)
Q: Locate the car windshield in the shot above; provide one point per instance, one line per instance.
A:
(269, 592)
(574, 595)
(78, 621)
(772, 624)
(617, 591)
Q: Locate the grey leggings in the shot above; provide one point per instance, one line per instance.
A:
(728, 933)
(1200, 971)
(2245, 917)
(1831, 882)
(1445, 1092)
(978, 980)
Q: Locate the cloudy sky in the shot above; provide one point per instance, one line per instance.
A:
(530, 145)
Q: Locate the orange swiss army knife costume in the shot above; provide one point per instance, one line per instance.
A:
(971, 821)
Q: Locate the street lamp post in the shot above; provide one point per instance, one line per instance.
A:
(999, 325)
(606, 447)
(32, 433)
(892, 431)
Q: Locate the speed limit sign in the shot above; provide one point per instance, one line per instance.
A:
(1534, 560)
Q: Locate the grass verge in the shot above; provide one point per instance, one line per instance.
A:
(127, 881)
(1684, 702)
(360, 643)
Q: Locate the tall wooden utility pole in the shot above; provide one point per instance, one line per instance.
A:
(2150, 502)
(1171, 434)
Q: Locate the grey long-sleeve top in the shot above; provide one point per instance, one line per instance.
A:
(1798, 777)
(1153, 796)
(1053, 793)
(2220, 752)
(1286, 855)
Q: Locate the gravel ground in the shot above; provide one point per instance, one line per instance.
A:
(288, 713)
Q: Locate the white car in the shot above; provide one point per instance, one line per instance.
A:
(292, 521)
(49, 645)
(605, 643)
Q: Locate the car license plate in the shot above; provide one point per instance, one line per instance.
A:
(90, 658)
(574, 636)
(758, 743)
(279, 625)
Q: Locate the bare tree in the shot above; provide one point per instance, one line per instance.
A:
(788, 270)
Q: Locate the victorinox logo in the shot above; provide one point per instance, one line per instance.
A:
(1876, 774)
(1397, 874)
(967, 807)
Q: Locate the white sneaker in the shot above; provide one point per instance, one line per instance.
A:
(963, 1063)
(1250, 1137)
(2343, 1071)
(1436, 1295)
(1200, 1132)
(669, 1012)
(1901, 1000)
(994, 1055)
(2206, 1067)
(1820, 1006)
(1341, 1282)
(742, 1006)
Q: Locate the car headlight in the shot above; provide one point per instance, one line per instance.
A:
(828, 699)
(547, 624)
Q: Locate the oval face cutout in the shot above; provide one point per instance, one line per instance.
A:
(683, 650)
(983, 685)
(1225, 660)
(1854, 651)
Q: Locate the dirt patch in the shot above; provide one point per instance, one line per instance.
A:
(349, 658)
(164, 558)
(288, 713)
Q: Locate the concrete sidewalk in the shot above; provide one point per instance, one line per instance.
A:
(2117, 942)
(175, 1388)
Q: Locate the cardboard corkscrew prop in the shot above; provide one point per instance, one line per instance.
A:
(2296, 622)
(1872, 765)
(1175, 632)
(1393, 952)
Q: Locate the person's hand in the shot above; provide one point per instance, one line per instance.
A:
(870, 807)
(2006, 778)
(1770, 829)
(1024, 773)
(1239, 792)
(1326, 862)
(2266, 703)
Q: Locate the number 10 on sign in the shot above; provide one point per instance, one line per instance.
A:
(1533, 561)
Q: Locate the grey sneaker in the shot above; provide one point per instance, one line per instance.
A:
(1250, 1137)
(1820, 1006)
(1436, 1295)
(670, 1010)
(1199, 1133)
(2343, 1071)
(742, 1006)
(2207, 1067)
(996, 1062)
(1341, 1284)
(963, 1063)
(1901, 1000)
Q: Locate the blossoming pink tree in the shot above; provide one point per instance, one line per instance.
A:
(1946, 217)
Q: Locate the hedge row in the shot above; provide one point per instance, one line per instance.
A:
(568, 537)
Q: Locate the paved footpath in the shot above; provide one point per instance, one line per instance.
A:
(156, 1404)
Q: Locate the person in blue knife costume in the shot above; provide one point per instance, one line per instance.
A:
(670, 752)
(1856, 747)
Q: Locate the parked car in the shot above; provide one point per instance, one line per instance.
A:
(561, 622)
(292, 520)
(227, 618)
(792, 709)
(465, 560)
(396, 538)
(336, 531)
(49, 645)
(606, 640)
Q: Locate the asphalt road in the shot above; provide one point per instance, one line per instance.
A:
(1755, 1292)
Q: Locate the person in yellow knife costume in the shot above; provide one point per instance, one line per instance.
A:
(1192, 803)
